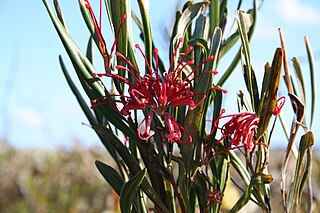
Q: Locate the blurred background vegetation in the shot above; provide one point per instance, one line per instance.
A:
(66, 180)
(58, 180)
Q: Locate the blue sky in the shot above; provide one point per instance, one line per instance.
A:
(39, 110)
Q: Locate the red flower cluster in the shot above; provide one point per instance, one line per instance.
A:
(157, 92)
(240, 129)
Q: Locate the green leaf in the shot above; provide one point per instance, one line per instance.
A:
(59, 13)
(182, 183)
(312, 79)
(302, 170)
(111, 176)
(146, 31)
(131, 162)
(90, 50)
(218, 98)
(214, 13)
(299, 76)
(244, 199)
(239, 167)
(201, 27)
(129, 191)
(118, 9)
(244, 21)
(190, 13)
(200, 42)
(76, 92)
(229, 43)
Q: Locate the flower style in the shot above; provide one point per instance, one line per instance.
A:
(100, 40)
(158, 93)
(240, 128)
(277, 109)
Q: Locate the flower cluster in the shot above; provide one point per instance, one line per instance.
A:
(158, 92)
(240, 129)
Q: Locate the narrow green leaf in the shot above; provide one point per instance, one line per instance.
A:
(214, 13)
(218, 98)
(200, 42)
(118, 9)
(244, 199)
(230, 69)
(76, 92)
(131, 162)
(90, 50)
(190, 13)
(182, 183)
(146, 31)
(265, 85)
(244, 21)
(87, 111)
(222, 163)
(214, 49)
(199, 32)
(59, 13)
(129, 191)
(299, 76)
(239, 167)
(131, 53)
(302, 171)
(312, 79)
(111, 176)
(229, 43)
(244, 174)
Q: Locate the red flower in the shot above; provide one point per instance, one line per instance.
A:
(240, 129)
(158, 92)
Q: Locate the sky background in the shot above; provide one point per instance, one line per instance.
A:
(37, 108)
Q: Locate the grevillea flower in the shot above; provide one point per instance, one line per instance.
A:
(240, 129)
(158, 93)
